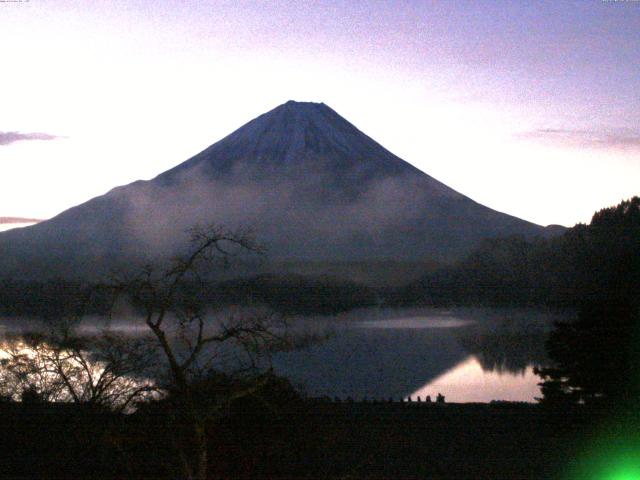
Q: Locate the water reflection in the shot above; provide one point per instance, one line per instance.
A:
(371, 354)
(416, 323)
(505, 353)
(469, 381)
(472, 357)
(103, 370)
(362, 362)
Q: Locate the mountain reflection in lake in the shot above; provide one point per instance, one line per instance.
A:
(465, 355)
(470, 382)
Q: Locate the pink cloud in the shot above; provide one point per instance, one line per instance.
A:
(11, 220)
(7, 138)
(625, 139)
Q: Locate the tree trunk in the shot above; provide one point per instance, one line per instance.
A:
(201, 458)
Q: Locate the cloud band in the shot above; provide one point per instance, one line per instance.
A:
(7, 138)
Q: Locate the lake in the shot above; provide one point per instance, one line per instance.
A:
(466, 355)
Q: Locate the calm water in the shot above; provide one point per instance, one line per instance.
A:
(468, 356)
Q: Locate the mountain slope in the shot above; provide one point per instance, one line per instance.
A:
(309, 183)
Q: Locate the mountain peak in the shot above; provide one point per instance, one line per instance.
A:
(296, 103)
(294, 136)
(303, 109)
(300, 110)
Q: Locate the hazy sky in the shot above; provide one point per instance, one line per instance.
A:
(531, 108)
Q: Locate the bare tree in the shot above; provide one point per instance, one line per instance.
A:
(196, 346)
(209, 358)
(106, 370)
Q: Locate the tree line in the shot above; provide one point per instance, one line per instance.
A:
(285, 294)
(560, 272)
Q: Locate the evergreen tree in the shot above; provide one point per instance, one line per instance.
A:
(596, 357)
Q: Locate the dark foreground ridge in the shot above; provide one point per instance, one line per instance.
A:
(301, 440)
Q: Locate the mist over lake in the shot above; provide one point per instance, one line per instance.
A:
(468, 355)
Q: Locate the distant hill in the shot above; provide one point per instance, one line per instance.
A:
(310, 184)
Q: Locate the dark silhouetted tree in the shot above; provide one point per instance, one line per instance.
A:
(212, 360)
(596, 357)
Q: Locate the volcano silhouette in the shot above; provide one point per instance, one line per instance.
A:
(308, 183)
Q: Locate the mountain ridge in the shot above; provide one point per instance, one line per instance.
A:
(312, 186)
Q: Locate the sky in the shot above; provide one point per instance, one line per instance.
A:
(530, 108)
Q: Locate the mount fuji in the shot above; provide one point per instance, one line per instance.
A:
(310, 185)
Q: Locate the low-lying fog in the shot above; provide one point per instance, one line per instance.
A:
(465, 354)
